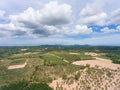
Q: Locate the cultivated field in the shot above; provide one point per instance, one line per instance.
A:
(60, 68)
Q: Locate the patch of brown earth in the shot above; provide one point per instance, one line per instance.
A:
(17, 66)
(73, 53)
(99, 62)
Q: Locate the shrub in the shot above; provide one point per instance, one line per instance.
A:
(77, 76)
(38, 86)
(64, 76)
(14, 86)
(21, 86)
(49, 79)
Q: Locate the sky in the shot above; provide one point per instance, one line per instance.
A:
(64, 22)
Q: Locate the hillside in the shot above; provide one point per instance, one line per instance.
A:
(60, 68)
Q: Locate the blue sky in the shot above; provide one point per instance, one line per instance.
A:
(67, 22)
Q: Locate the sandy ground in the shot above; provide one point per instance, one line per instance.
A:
(99, 62)
(73, 53)
(59, 82)
(66, 61)
(17, 66)
(27, 53)
(30, 53)
(109, 82)
(91, 54)
(4, 60)
(77, 85)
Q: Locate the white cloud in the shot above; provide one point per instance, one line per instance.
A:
(2, 13)
(81, 29)
(10, 30)
(52, 19)
(114, 17)
(112, 39)
(77, 30)
(95, 40)
(35, 18)
(51, 14)
(55, 14)
(118, 28)
(107, 30)
(43, 22)
(92, 14)
(3, 18)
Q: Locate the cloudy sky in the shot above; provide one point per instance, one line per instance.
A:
(37, 22)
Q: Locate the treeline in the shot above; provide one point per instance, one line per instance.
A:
(114, 57)
(22, 85)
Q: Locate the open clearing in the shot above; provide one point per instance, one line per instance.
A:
(61, 82)
(18, 66)
(104, 64)
(98, 62)
(106, 82)
(69, 68)
(73, 53)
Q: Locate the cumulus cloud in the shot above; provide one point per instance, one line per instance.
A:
(81, 30)
(2, 13)
(55, 14)
(114, 17)
(76, 30)
(3, 18)
(112, 39)
(55, 19)
(107, 30)
(51, 14)
(42, 22)
(92, 14)
(60, 20)
(49, 20)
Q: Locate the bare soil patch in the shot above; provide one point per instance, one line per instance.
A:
(17, 66)
(99, 62)
(73, 53)
(91, 54)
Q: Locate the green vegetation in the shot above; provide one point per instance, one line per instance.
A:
(48, 63)
(50, 60)
(23, 86)
(15, 62)
(73, 57)
(114, 57)
(77, 76)
(38, 86)
(64, 76)
(14, 86)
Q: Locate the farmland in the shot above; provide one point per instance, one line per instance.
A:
(50, 67)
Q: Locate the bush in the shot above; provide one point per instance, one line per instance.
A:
(77, 76)
(52, 60)
(38, 86)
(49, 79)
(14, 86)
(21, 86)
(64, 76)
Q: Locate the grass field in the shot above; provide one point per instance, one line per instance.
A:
(17, 62)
